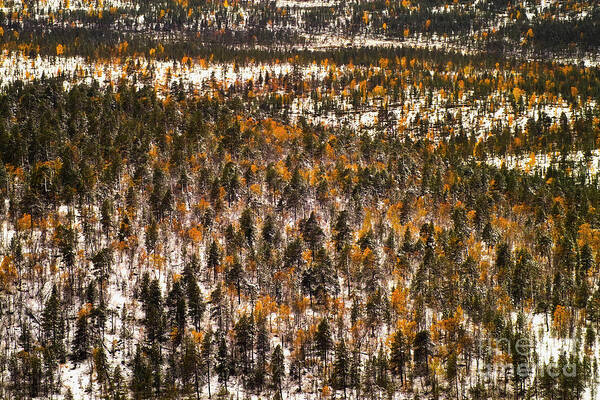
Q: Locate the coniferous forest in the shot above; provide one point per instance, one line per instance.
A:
(300, 199)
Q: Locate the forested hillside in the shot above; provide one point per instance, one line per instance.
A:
(299, 199)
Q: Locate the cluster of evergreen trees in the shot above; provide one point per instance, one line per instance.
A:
(180, 247)
(186, 242)
(189, 27)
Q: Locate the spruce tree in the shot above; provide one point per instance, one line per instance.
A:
(196, 305)
(206, 354)
(223, 362)
(101, 364)
(323, 340)
(421, 352)
(341, 365)
(277, 370)
(53, 327)
(247, 227)
(190, 368)
(262, 349)
(244, 342)
(154, 320)
(81, 343)
(214, 258)
(398, 356)
(177, 312)
(118, 391)
(141, 377)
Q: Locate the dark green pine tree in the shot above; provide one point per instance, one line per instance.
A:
(322, 277)
(101, 364)
(81, 342)
(106, 212)
(247, 227)
(223, 361)
(66, 244)
(368, 379)
(341, 365)
(191, 375)
(407, 241)
(124, 228)
(292, 255)
(590, 338)
(217, 306)
(141, 376)
(177, 312)
(521, 277)
(26, 339)
(565, 385)
(582, 288)
(293, 192)
(577, 374)
(151, 237)
(398, 356)
(166, 204)
(355, 368)
(213, 258)
(548, 380)
(421, 352)
(99, 316)
(53, 327)
(323, 339)
(244, 342)
(586, 259)
(382, 370)
(269, 231)
(154, 320)
(34, 369)
(312, 234)
(158, 183)
(452, 371)
(520, 357)
(206, 355)
(156, 361)
(230, 180)
(504, 263)
(101, 268)
(342, 232)
(277, 371)
(262, 349)
(117, 388)
(144, 288)
(196, 305)
(459, 220)
(235, 276)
